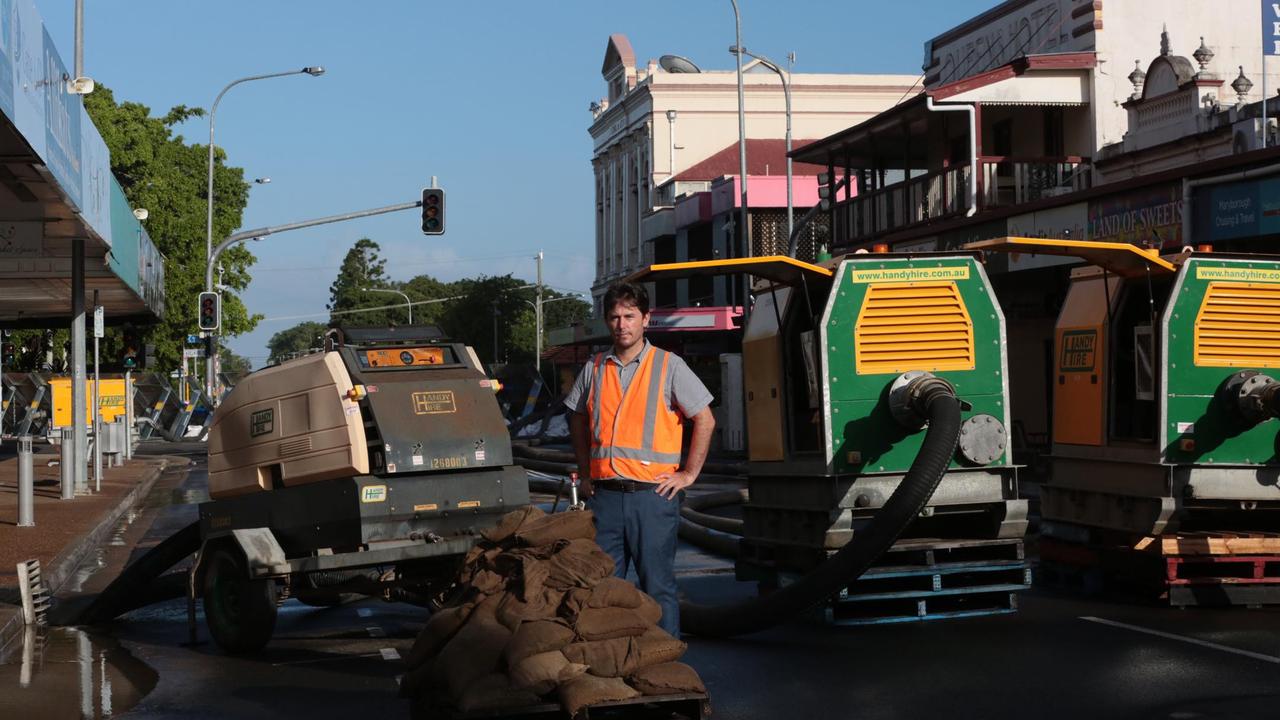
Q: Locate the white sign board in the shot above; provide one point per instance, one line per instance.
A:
(98, 322)
(192, 352)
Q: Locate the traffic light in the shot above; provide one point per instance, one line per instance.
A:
(130, 350)
(9, 351)
(432, 211)
(210, 311)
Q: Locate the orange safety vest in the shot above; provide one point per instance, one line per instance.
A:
(634, 434)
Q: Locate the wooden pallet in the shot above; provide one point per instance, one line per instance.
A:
(918, 580)
(1213, 543)
(1188, 569)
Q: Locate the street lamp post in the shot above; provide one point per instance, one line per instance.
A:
(786, 92)
(745, 228)
(313, 71)
(407, 302)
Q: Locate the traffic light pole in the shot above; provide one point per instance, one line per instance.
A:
(258, 234)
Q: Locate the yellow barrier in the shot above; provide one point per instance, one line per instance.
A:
(111, 400)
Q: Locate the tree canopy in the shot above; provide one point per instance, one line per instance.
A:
(468, 310)
(296, 340)
(160, 171)
(362, 268)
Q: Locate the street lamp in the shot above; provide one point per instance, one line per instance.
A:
(786, 92)
(262, 180)
(745, 232)
(313, 71)
(538, 323)
(407, 302)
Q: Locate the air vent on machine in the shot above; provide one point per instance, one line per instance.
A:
(1239, 326)
(913, 326)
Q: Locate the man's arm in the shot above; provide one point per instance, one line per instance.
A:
(579, 434)
(670, 484)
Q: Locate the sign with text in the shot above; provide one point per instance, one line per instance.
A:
(1151, 217)
(1270, 27)
(1237, 210)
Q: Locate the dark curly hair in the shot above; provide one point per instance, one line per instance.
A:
(629, 292)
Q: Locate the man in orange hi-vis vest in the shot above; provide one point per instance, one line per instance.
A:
(630, 405)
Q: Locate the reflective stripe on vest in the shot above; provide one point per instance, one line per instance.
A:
(634, 434)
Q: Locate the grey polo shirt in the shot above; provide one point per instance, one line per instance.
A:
(684, 391)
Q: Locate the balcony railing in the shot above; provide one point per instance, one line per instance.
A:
(1005, 181)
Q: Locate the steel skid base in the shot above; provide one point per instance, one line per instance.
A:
(824, 512)
(1154, 499)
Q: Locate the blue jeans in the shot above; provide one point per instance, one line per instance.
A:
(640, 528)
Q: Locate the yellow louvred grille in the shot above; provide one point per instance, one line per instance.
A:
(1239, 326)
(913, 326)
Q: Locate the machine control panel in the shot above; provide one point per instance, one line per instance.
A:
(405, 357)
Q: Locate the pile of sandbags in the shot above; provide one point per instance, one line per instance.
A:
(540, 618)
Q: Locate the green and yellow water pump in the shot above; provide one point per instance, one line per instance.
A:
(838, 359)
(1165, 389)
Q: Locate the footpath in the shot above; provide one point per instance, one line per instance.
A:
(66, 531)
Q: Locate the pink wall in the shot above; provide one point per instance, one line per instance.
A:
(764, 191)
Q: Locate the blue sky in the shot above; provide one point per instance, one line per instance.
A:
(491, 97)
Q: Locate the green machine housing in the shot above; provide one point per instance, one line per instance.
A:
(827, 353)
(1156, 431)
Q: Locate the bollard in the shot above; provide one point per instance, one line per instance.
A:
(68, 465)
(26, 484)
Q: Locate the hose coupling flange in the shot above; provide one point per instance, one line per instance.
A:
(910, 395)
(1251, 396)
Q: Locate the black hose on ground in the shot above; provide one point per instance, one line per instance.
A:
(713, 541)
(140, 583)
(940, 406)
(551, 455)
(694, 504)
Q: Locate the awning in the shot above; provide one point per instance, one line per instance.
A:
(778, 268)
(1122, 259)
(1057, 87)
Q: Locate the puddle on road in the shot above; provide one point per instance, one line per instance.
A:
(69, 673)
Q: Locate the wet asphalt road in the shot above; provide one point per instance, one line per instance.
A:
(1058, 657)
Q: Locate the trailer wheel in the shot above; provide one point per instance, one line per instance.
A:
(240, 611)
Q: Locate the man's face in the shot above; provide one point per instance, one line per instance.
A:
(626, 324)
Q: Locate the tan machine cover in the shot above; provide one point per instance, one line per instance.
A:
(293, 422)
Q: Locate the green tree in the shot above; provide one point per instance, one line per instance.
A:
(297, 339)
(160, 171)
(362, 268)
(234, 366)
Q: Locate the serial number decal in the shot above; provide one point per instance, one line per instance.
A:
(1078, 350)
(434, 402)
(262, 422)
(960, 272)
(425, 507)
(449, 463)
(468, 503)
(219, 522)
(373, 494)
(1238, 273)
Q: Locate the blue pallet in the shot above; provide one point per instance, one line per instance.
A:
(923, 615)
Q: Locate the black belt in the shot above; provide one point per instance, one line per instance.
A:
(620, 485)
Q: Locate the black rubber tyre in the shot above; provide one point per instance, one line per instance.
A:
(239, 611)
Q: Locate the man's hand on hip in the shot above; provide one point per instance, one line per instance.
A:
(670, 484)
(585, 489)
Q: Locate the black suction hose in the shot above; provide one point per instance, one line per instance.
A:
(940, 406)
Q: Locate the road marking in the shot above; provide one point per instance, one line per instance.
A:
(375, 631)
(1183, 638)
(364, 612)
(389, 654)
